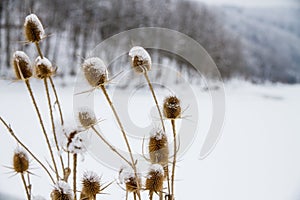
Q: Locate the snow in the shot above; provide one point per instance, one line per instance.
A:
(43, 61)
(257, 157)
(141, 53)
(86, 117)
(91, 176)
(21, 55)
(33, 18)
(64, 188)
(125, 174)
(95, 63)
(157, 133)
(157, 168)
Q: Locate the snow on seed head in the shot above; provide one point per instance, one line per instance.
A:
(33, 28)
(158, 147)
(91, 184)
(22, 65)
(20, 161)
(95, 71)
(43, 68)
(140, 59)
(172, 108)
(127, 176)
(62, 191)
(86, 117)
(155, 178)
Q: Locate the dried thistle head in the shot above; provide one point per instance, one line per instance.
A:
(86, 117)
(140, 59)
(158, 147)
(90, 185)
(33, 28)
(20, 161)
(43, 68)
(62, 191)
(95, 71)
(22, 65)
(127, 176)
(172, 108)
(155, 178)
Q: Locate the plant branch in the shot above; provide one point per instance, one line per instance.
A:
(42, 125)
(25, 186)
(21, 143)
(124, 136)
(110, 146)
(53, 126)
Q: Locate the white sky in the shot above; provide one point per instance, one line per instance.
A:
(253, 3)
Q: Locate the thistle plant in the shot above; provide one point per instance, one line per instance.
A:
(74, 141)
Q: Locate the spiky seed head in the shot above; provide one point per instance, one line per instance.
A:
(90, 185)
(172, 108)
(86, 117)
(20, 161)
(43, 68)
(127, 176)
(33, 28)
(131, 184)
(62, 191)
(155, 178)
(22, 65)
(95, 71)
(140, 59)
(158, 147)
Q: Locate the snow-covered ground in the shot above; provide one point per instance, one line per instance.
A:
(257, 157)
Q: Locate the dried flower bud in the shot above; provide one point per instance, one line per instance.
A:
(172, 109)
(22, 65)
(90, 185)
(86, 117)
(62, 191)
(20, 161)
(33, 28)
(155, 179)
(158, 147)
(127, 176)
(43, 68)
(140, 59)
(95, 71)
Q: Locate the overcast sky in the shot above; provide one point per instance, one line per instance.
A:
(261, 3)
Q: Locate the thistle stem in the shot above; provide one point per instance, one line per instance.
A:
(133, 165)
(155, 99)
(74, 174)
(23, 145)
(42, 126)
(25, 186)
(175, 155)
(53, 126)
(56, 100)
(110, 146)
(39, 49)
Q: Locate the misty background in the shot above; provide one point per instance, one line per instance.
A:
(251, 40)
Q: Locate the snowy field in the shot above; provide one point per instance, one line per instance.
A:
(257, 157)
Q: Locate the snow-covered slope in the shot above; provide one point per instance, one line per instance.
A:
(271, 38)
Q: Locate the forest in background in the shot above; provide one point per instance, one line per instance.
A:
(76, 27)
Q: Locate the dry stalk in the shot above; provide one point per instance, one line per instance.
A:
(133, 164)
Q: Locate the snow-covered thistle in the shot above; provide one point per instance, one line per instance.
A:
(140, 59)
(62, 191)
(95, 71)
(22, 65)
(33, 28)
(155, 179)
(86, 117)
(43, 68)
